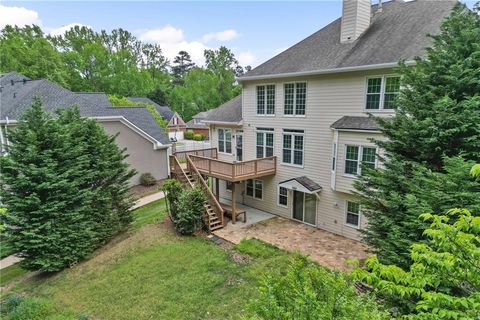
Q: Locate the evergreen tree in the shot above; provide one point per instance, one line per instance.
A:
(64, 184)
(182, 63)
(437, 119)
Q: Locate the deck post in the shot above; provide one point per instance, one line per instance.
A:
(217, 189)
(234, 204)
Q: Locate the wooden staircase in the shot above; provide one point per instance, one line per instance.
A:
(214, 213)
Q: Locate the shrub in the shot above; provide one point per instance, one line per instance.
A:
(308, 291)
(199, 137)
(190, 211)
(20, 308)
(146, 179)
(189, 135)
(173, 189)
(67, 193)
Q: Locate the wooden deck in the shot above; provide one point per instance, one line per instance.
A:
(206, 162)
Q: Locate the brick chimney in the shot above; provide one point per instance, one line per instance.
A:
(355, 19)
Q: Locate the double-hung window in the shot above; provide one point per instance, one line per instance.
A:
(264, 142)
(295, 98)
(254, 188)
(293, 147)
(225, 140)
(352, 215)
(381, 92)
(282, 196)
(266, 99)
(354, 155)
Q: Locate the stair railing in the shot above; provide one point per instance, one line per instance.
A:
(212, 200)
(177, 169)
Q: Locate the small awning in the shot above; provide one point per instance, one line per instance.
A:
(302, 184)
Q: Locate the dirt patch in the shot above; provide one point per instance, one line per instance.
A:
(140, 191)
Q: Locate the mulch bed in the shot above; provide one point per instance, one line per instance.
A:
(140, 191)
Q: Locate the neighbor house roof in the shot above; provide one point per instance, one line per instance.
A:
(398, 32)
(164, 111)
(355, 123)
(17, 94)
(229, 112)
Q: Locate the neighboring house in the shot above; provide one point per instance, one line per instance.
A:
(175, 127)
(197, 125)
(146, 143)
(304, 114)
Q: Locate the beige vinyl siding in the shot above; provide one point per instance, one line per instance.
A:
(142, 157)
(329, 98)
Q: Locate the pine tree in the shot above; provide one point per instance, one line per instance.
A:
(182, 64)
(437, 120)
(64, 184)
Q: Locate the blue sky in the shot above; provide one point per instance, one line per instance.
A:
(255, 31)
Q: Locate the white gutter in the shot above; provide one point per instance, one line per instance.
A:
(325, 71)
(358, 130)
(225, 123)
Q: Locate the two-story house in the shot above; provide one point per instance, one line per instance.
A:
(306, 110)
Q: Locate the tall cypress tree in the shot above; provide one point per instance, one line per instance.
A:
(64, 183)
(437, 121)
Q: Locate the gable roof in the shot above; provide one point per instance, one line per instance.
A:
(17, 96)
(397, 33)
(164, 111)
(306, 182)
(229, 112)
(355, 123)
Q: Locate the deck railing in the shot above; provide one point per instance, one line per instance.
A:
(207, 153)
(235, 171)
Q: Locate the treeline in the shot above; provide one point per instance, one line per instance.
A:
(120, 64)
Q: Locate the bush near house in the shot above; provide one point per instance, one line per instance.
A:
(199, 137)
(189, 135)
(67, 189)
(147, 179)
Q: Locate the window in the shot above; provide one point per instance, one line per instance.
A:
(295, 97)
(282, 196)
(334, 156)
(353, 160)
(225, 140)
(353, 214)
(266, 99)
(254, 188)
(293, 147)
(175, 120)
(229, 185)
(381, 92)
(264, 142)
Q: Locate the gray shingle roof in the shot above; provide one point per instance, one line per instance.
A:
(398, 32)
(306, 182)
(17, 98)
(164, 111)
(230, 111)
(355, 123)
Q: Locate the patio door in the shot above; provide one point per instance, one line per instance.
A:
(304, 207)
(239, 145)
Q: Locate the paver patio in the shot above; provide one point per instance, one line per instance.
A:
(326, 248)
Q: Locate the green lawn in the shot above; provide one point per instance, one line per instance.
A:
(9, 273)
(156, 274)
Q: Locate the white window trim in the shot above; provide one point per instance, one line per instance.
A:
(359, 159)
(294, 115)
(292, 153)
(264, 141)
(225, 146)
(382, 93)
(278, 197)
(359, 216)
(265, 96)
(254, 193)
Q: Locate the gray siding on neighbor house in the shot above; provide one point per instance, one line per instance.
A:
(142, 155)
(329, 98)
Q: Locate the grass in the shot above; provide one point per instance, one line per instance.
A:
(156, 274)
(9, 273)
(149, 213)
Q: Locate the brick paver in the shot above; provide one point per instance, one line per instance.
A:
(326, 248)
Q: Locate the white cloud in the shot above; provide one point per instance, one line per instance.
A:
(246, 58)
(61, 30)
(18, 16)
(225, 35)
(167, 34)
